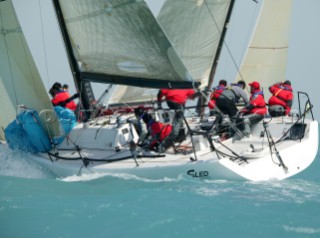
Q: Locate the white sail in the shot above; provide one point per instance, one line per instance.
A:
(195, 31)
(122, 94)
(266, 57)
(20, 83)
(120, 41)
(194, 28)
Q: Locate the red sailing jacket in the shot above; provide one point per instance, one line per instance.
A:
(257, 105)
(281, 95)
(61, 96)
(179, 96)
(159, 131)
(214, 95)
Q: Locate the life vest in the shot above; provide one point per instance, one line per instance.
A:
(281, 95)
(258, 103)
(179, 96)
(214, 95)
(159, 131)
(62, 96)
(282, 91)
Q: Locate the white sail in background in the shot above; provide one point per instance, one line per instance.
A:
(122, 94)
(194, 29)
(20, 83)
(266, 58)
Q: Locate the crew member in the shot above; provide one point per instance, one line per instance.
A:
(231, 95)
(216, 93)
(158, 131)
(254, 111)
(62, 98)
(280, 102)
(176, 100)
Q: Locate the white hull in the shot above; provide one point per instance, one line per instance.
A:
(296, 156)
(148, 168)
(259, 165)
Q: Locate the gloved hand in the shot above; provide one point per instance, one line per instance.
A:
(242, 111)
(139, 142)
(143, 144)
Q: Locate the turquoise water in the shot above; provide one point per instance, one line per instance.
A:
(35, 204)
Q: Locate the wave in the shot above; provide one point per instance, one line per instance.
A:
(292, 191)
(304, 230)
(120, 176)
(17, 164)
(296, 191)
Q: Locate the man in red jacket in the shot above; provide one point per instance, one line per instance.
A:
(158, 131)
(216, 93)
(61, 97)
(281, 100)
(254, 111)
(176, 100)
(256, 104)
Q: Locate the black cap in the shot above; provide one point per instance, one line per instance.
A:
(287, 82)
(56, 86)
(243, 83)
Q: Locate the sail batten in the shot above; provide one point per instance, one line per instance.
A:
(269, 48)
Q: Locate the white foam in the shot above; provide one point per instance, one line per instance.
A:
(299, 229)
(19, 164)
(124, 176)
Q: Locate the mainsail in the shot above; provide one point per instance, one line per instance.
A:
(266, 57)
(20, 82)
(194, 28)
(120, 42)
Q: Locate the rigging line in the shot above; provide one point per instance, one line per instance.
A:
(44, 43)
(26, 54)
(224, 42)
(7, 51)
(80, 113)
(234, 154)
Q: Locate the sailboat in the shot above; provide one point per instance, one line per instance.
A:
(122, 43)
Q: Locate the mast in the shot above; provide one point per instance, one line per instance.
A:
(223, 34)
(200, 107)
(83, 86)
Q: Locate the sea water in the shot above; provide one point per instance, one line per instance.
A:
(33, 203)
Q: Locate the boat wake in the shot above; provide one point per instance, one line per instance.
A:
(303, 230)
(120, 176)
(296, 191)
(19, 164)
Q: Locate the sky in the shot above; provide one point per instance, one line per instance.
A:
(41, 30)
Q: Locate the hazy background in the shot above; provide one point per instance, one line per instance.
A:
(39, 25)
